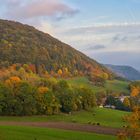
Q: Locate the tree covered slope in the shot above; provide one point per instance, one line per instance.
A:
(125, 71)
(26, 45)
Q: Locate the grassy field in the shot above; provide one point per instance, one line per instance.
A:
(35, 133)
(105, 117)
(113, 85)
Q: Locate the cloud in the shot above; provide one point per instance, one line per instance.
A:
(23, 9)
(96, 47)
(120, 38)
(102, 28)
(108, 43)
(105, 33)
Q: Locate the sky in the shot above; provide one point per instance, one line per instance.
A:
(105, 30)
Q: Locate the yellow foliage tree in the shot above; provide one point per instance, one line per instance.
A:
(13, 82)
(105, 76)
(126, 102)
(133, 129)
(66, 70)
(60, 72)
(135, 91)
(43, 90)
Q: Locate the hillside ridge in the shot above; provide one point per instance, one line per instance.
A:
(24, 44)
(125, 71)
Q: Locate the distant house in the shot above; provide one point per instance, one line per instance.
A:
(101, 106)
(121, 98)
(110, 106)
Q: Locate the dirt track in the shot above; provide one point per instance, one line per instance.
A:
(68, 126)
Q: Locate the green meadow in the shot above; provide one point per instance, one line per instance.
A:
(35, 133)
(106, 117)
(112, 85)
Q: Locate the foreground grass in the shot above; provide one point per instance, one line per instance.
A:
(35, 133)
(106, 117)
(112, 85)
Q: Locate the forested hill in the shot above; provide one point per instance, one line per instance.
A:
(125, 71)
(26, 45)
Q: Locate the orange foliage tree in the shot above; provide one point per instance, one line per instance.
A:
(60, 72)
(13, 82)
(132, 131)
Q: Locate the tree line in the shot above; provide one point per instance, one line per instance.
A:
(47, 97)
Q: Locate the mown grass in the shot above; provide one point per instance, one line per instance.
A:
(112, 85)
(36, 133)
(106, 117)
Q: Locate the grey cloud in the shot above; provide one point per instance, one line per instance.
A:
(120, 38)
(96, 47)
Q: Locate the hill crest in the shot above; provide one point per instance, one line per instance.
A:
(127, 72)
